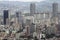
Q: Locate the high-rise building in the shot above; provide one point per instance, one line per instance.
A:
(32, 28)
(54, 13)
(5, 15)
(55, 9)
(19, 17)
(32, 8)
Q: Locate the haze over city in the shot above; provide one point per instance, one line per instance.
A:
(24, 0)
(41, 5)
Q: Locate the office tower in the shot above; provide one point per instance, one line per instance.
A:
(55, 9)
(5, 15)
(32, 28)
(17, 15)
(19, 19)
(32, 9)
(54, 13)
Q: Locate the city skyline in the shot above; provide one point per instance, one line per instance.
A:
(29, 20)
(42, 6)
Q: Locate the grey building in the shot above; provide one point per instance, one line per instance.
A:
(32, 28)
(19, 17)
(32, 8)
(54, 9)
(54, 13)
(28, 22)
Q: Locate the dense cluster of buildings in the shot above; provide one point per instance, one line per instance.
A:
(26, 24)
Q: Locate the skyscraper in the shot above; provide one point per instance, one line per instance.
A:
(55, 9)
(5, 15)
(32, 8)
(54, 13)
(19, 17)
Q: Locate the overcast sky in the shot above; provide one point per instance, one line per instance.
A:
(24, 0)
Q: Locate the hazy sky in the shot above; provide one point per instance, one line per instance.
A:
(24, 0)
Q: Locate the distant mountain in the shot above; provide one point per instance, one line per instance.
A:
(52, 1)
(43, 6)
